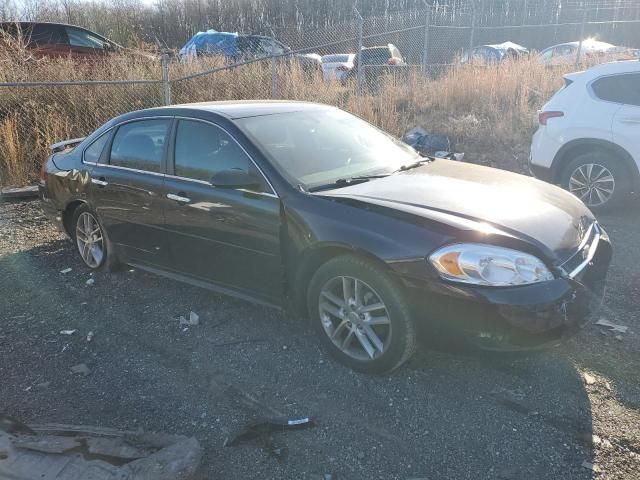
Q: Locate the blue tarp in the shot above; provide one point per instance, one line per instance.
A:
(211, 42)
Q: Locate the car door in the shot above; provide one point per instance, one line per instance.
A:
(626, 122)
(126, 187)
(230, 237)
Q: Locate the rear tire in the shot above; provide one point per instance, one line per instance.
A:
(91, 240)
(599, 179)
(361, 315)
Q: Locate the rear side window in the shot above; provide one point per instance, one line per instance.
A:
(202, 150)
(43, 34)
(624, 88)
(376, 56)
(140, 145)
(93, 152)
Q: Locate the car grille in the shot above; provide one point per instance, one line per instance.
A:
(585, 252)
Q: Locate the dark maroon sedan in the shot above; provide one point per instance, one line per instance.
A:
(305, 206)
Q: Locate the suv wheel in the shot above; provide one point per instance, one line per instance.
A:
(598, 179)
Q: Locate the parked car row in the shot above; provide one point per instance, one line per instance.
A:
(561, 54)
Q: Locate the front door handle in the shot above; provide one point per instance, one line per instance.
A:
(101, 182)
(180, 197)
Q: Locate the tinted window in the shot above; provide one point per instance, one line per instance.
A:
(42, 34)
(203, 150)
(375, 56)
(94, 151)
(619, 88)
(140, 145)
(335, 58)
(80, 38)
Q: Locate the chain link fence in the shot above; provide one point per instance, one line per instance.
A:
(42, 102)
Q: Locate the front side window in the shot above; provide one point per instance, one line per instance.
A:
(202, 150)
(317, 147)
(93, 152)
(623, 88)
(140, 145)
(80, 38)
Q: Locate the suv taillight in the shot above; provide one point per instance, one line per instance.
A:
(543, 117)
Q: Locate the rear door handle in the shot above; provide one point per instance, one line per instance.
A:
(101, 182)
(179, 197)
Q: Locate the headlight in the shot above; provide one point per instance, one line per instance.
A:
(488, 265)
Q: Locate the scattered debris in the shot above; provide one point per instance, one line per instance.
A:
(596, 439)
(91, 281)
(430, 144)
(67, 332)
(81, 368)
(93, 452)
(607, 385)
(606, 443)
(612, 326)
(588, 379)
(262, 429)
(193, 319)
(66, 270)
(42, 385)
(90, 336)
(618, 337)
(591, 466)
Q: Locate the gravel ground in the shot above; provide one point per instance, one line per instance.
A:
(447, 415)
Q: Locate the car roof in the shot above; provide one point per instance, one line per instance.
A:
(626, 66)
(235, 109)
(56, 24)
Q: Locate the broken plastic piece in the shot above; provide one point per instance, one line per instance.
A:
(67, 332)
(264, 427)
(613, 327)
(91, 281)
(89, 336)
(66, 270)
(81, 368)
(193, 319)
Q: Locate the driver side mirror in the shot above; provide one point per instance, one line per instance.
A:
(231, 179)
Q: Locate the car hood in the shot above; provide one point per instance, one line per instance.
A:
(472, 196)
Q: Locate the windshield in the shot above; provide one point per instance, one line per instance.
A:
(314, 148)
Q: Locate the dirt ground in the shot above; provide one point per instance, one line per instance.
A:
(446, 415)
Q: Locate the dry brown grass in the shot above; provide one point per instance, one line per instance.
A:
(489, 112)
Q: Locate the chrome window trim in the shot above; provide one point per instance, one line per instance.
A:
(273, 190)
(209, 184)
(89, 146)
(118, 167)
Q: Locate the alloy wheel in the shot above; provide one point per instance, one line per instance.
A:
(355, 318)
(592, 183)
(90, 240)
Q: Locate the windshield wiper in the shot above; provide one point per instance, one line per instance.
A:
(342, 182)
(416, 164)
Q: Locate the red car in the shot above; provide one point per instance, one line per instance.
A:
(58, 39)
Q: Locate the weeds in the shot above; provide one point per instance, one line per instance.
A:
(488, 111)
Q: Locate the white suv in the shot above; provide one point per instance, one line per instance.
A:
(588, 140)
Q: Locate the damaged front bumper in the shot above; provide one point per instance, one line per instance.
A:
(517, 318)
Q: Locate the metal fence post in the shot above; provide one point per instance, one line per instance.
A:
(473, 29)
(427, 21)
(166, 84)
(359, 70)
(274, 78)
(584, 21)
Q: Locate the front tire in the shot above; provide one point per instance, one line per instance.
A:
(361, 315)
(598, 179)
